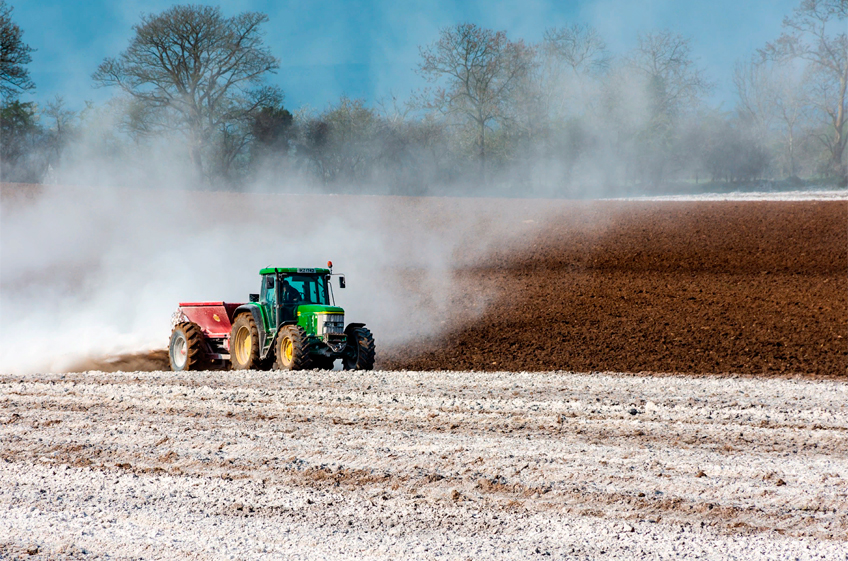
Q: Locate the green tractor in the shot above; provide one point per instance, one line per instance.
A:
(291, 324)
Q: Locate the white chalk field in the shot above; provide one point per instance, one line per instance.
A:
(421, 465)
(798, 195)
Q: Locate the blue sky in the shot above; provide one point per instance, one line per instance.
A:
(369, 48)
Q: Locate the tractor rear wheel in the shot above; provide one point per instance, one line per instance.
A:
(292, 352)
(186, 350)
(244, 344)
(359, 352)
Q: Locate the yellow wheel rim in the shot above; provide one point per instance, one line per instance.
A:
(288, 350)
(243, 345)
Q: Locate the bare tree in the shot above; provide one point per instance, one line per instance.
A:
(570, 61)
(792, 104)
(476, 71)
(235, 131)
(673, 86)
(756, 95)
(14, 56)
(674, 83)
(580, 47)
(353, 147)
(815, 32)
(60, 127)
(772, 97)
(202, 69)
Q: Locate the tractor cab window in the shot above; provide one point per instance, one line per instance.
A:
(266, 291)
(268, 296)
(305, 289)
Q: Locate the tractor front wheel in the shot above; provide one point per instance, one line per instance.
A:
(292, 352)
(186, 350)
(244, 344)
(359, 352)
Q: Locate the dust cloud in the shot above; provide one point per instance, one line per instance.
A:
(94, 272)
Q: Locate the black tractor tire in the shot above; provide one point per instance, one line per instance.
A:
(187, 348)
(360, 352)
(244, 344)
(292, 352)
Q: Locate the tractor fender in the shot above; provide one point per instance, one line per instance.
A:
(353, 325)
(257, 318)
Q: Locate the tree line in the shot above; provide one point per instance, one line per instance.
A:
(498, 115)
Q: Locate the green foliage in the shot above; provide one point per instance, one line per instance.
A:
(14, 56)
(272, 126)
(20, 151)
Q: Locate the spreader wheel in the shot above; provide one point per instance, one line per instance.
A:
(359, 352)
(187, 350)
(292, 352)
(244, 344)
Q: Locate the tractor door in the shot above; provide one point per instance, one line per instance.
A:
(268, 298)
(288, 290)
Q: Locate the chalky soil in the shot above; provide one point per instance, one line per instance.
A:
(421, 465)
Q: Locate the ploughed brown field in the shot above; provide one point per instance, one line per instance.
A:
(750, 287)
(697, 287)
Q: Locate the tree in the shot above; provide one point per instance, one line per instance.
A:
(415, 152)
(756, 95)
(273, 133)
(312, 144)
(197, 72)
(672, 86)
(730, 152)
(815, 33)
(772, 97)
(235, 132)
(555, 97)
(14, 56)
(571, 59)
(59, 129)
(674, 83)
(351, 147)
(580, 47)
(476, 71)
(271, 127)
(21, 157)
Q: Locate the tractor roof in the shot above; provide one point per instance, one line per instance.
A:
(272, 270)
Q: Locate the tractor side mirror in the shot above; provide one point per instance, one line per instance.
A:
(341, 282)
(254, 297)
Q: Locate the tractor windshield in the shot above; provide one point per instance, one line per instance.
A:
(309, 289)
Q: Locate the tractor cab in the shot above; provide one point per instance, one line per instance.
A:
(282, 293)
(285, 290)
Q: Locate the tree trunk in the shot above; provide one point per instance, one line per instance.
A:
(483, 153)
(194, 151)
(791, 154)
(839, 141)
(836, 159)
